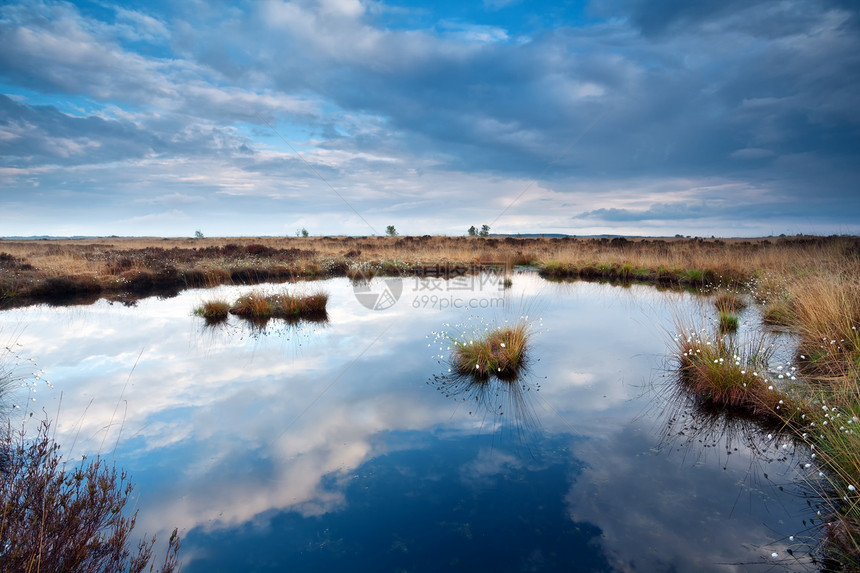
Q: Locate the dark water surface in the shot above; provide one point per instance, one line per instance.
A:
(347, 446)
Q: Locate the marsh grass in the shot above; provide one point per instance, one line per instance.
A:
(826, 315)
(257, 305)
(729, 302)
(732, 373)
(110, 266)
(821, 411)
(361, 274)
(499, 352)
(727, 322)
(830, 431)
(214, 311)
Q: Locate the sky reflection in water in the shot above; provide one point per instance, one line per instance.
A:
(335, 445)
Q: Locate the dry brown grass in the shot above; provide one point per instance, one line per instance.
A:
(259, 306)
(826, 311)
(45, 268)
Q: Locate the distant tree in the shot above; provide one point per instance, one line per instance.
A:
(485, 231)
(473, 232)
(301, 232)
(198, 234)
(391, 231)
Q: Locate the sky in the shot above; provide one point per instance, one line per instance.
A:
(342, 117)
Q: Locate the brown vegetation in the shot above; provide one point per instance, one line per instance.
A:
(55, 517)
(817, 400)
(85, 269)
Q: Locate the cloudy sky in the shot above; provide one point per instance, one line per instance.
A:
(723, 117)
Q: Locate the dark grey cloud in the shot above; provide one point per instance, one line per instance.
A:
(754, 95)
(43, 135)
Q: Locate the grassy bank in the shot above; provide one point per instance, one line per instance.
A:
(83, 270)
(815, 399)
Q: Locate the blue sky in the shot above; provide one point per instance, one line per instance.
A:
(727, 118)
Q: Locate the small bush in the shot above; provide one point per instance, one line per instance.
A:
(58, 519)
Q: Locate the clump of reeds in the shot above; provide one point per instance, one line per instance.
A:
(831, 433)
(824, 415)
(730, 373)
(257, 305)
(728, 322)
(831, 430)
(499, 352)
(827, 317)
(729, 302)
(213, 311)
(252, 305)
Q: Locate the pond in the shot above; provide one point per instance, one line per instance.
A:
(346, 444)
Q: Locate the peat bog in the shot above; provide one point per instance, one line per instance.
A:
(607, 419)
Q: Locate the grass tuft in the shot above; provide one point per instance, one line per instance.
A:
(213, 311)
(732, 374)
(729, 303)
(500, 352)
(258, 306)
(252, 305)
(728, 322)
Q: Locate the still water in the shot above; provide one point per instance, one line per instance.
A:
(345, 445)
